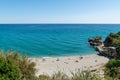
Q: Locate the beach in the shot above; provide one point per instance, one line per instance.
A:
(68, 64)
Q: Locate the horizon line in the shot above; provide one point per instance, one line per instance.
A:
(59, 23)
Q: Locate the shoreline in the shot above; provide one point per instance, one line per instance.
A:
(66, 64)
(65, 55)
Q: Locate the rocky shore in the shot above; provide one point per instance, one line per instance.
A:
(101, 46)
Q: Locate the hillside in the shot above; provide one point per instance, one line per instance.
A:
(113, 40)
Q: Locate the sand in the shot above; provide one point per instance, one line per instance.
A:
(50, 65)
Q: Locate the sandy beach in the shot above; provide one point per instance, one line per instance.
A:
(67, 64)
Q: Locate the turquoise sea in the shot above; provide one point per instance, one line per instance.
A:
(43, 40)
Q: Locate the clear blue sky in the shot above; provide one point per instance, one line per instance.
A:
(59, 11)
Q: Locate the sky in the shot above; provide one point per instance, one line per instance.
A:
(60, 11)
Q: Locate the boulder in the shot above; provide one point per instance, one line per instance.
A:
(97, 41)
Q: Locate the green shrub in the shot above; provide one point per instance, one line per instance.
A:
(112, 69)
(112, 40)
(8, 71)
(16, 67)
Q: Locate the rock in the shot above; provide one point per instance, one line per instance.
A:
(118, 33)
(110, 47)
(95, 41)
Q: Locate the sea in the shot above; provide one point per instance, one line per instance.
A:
(49, 40)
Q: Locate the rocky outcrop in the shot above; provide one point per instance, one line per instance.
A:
(101, 47)
(112, 39)
(110, 51)
(97, 41)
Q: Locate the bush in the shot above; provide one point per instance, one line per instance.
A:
(8, 71)
(16, 67)
(112, 69)
(112, 40)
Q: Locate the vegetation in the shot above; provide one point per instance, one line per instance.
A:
(112, 69)
(16, 67)
(114, 40)
(7, 70)
(85, 75)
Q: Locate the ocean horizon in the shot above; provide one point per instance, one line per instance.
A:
(48, 40)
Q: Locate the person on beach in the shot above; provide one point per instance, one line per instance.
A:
(58, 59)
(43, 59)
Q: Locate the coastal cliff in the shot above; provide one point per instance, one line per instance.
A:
(110, 47)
